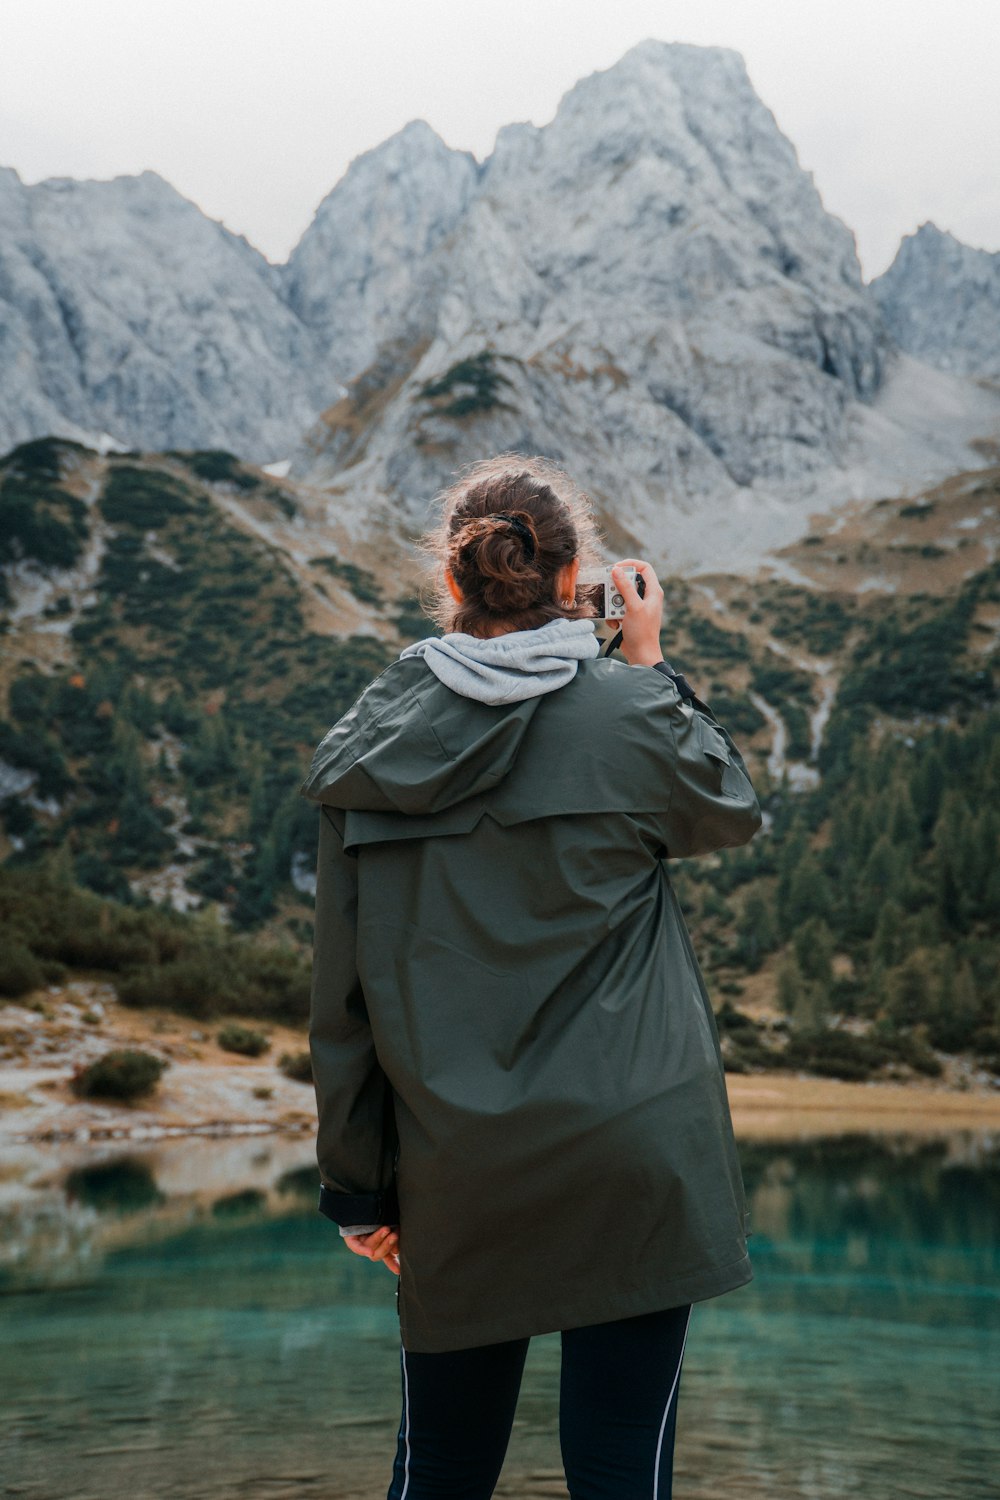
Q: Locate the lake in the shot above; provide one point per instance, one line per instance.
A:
(180, 1321)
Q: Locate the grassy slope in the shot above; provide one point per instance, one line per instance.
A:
(170, 711)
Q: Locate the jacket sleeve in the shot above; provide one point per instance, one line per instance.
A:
(712, 804)
(356, 1139)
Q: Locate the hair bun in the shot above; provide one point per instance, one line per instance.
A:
(507, 526)
(522, 525)
(511, 580)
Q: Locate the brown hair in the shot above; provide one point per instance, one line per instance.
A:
(506, 527)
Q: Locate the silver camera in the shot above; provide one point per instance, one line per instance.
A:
(599, 586)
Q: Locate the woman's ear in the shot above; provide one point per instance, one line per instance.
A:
(453, 588)
(566, 581)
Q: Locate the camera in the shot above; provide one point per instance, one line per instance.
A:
(599, 587)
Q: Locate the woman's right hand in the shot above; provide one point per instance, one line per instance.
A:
(643, 616)
(381, 1244)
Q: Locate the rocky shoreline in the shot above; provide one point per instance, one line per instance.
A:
(210, 1093)
(204, 1090)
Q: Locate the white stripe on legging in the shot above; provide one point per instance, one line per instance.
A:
(406, 1409)
(666, 1409)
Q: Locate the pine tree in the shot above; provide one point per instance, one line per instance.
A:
(814, 952)
(953, 845)
(903, 828)
(756, 934)
(886, 944)
(928, 785)
(790, 982)
(805, 1001)
(880, 880)
(956, 1008)
(909, 990)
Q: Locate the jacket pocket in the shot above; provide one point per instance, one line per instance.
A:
(715, 746)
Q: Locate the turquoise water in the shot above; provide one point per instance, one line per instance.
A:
(157, 1341)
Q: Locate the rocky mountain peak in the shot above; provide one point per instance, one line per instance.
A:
(353, 273)
(662, 290)
(941, 300)
(674, 143)
(648, 287)
(126, 310)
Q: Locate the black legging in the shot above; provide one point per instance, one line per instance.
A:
(617, 1412)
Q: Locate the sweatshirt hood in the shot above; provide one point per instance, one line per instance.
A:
(443, 723)
(508, 668)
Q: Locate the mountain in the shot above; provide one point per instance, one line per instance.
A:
(174, 625)
(124, 310)
(941, 301)
(353, 274)
(649, 290)
(174, 648)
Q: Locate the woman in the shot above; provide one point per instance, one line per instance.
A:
(522, 1108)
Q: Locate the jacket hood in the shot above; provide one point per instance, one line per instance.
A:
(414, 759)
(444, 722)
(404, 748)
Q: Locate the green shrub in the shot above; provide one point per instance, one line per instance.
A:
(711, 641)
(471, 385)
(834, 1054)
(799, 745)
(739, 715)
(907, 668)
(361, 581)
(102, 878)
(143, 498)
(214, 877)
(20, 971)
(297, 1066)
(121, 1074)
(35, 751)
(225, 975)
(777, 682)
(215, 465)
(40, 522)
(745, 1050)
(729, 1020)
(841, 1054)
(39, 458)
(242, 1039)
(159, 957)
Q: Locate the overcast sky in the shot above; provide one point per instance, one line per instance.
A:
(254, 108)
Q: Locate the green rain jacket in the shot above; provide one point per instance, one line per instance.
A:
(514, 1052)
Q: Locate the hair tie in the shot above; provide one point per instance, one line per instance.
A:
(518, 525)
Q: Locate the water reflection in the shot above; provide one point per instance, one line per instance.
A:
(125, 1185)
(195, 1329)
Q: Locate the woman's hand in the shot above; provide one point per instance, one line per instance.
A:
(381, 1244)
(643, 616)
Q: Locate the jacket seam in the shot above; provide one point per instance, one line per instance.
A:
(676, 756)
(430, 727)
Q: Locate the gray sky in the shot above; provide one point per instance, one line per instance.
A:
(254, 108)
